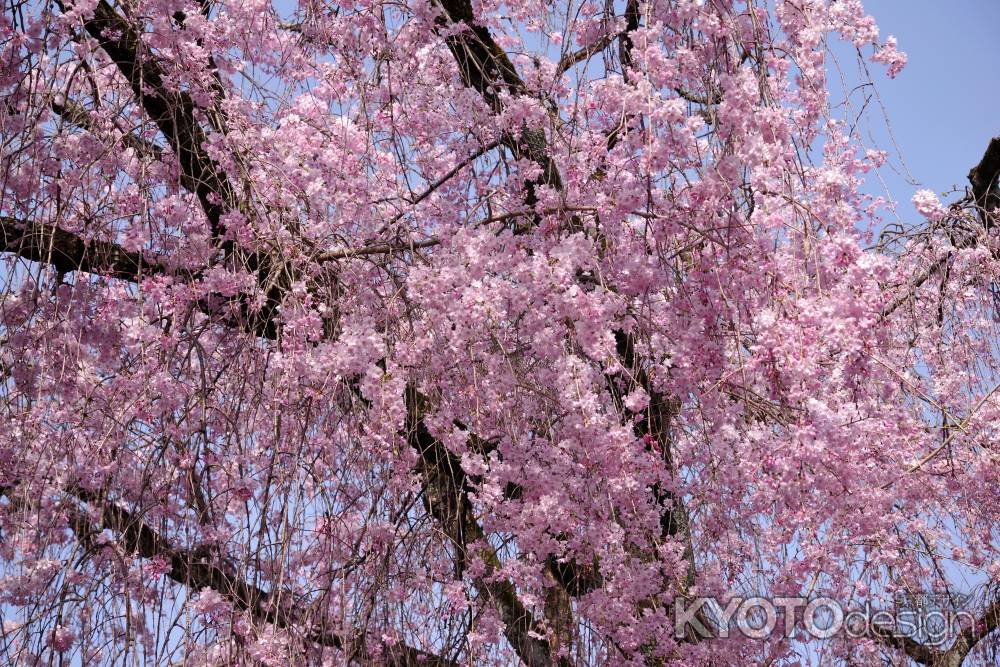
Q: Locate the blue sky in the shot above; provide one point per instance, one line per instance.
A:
(945, 105)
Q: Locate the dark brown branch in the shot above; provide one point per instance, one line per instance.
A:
(196, 571)
(912, 648)
(970, 636)
(172, 111)
(625, 44)
(67, 252)
(953, 657)
(486, 68)
(586, 52)
(707, 100)
(483, 64)
(983, 178)
(446, 495)
(653, 425)
(382, 249)
(986, 196)
(912, 288)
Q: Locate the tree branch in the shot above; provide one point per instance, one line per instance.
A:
(571, 59)
(986, 198)
(953, 657)
(67, 252)
(913, 649)
(485, 67)
(446, 492)
(172, 111)
(194, 571)
(983, 178)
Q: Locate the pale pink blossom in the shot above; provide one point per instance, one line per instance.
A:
(927, 204)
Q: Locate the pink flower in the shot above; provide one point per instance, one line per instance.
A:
(210, 602)
(62, 639)
(888, 55)
(157, 567)
(637, 400)
(928, 205)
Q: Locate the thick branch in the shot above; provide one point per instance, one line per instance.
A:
(970, 636)
(485, 67)
(446, 492)
(586, 52)
(986, 196)
(983, 178)
(68, 252)
(912, 648)
(625, 44)
(196, 571)
(653, 425)
(954, 656)
(172, 111)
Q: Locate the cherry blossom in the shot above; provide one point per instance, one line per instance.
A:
(476, 333)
